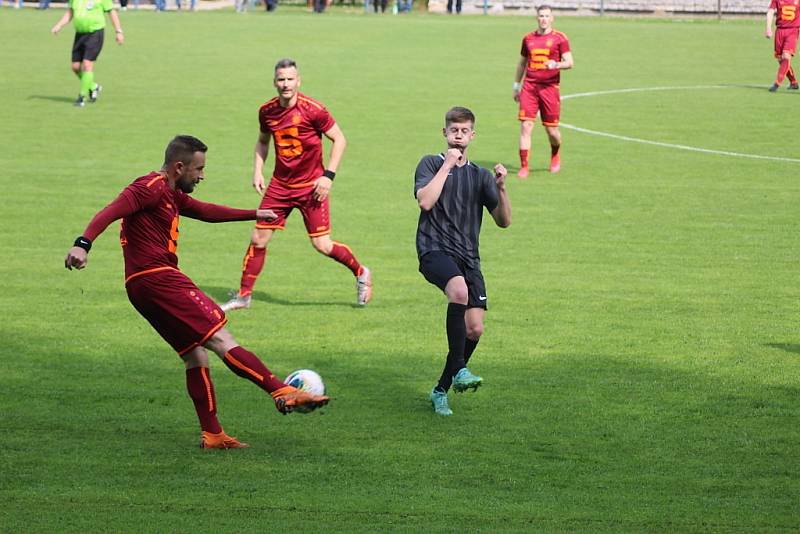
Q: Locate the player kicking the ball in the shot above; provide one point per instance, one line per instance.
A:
(452, 192)
(181, 313)
(296, 124)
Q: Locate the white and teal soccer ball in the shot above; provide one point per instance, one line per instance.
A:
(306, 380)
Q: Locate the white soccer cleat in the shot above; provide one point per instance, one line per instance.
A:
(238, 302)
(364, 286)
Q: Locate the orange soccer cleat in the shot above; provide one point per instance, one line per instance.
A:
(523, 172)
(289, 399)
(220, 441)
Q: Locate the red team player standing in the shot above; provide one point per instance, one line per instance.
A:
(296, 123)
(150, 208)
(786, 35)
(545, 53)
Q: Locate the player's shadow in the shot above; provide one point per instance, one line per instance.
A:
(788, 347)
(52, 98)
(223, 294)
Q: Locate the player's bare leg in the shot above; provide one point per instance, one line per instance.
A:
(342, 254)
(554, 135)
(252, 264)
(525, 129)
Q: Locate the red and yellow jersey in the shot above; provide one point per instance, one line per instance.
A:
(787, 13)
(297, 135)
(149, 236)
(541, 48)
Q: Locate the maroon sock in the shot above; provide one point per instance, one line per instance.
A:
(201, 390)
(251, 267)
(342, 253)
(247, 365)
(782, 70)
(554, 150)
(790, 75)
(523, 158)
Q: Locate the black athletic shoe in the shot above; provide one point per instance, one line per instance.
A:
(794, 87)
(81, 102)
(773, 88)
(94, 93)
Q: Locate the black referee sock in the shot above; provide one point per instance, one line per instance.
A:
(469, 348)
(456, 341)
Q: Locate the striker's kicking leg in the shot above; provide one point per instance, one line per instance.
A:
(247, 365)
(342, 254)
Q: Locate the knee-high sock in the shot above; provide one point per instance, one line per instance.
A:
(469, 348)
(456, 339)
(783, 68)
(87, 82)
(247, 365)
(342, 253)
(523, 158)
(554, 150)
(790, 75)
(201, 390)
(251, 267)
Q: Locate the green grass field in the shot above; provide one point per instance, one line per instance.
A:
(641, 356)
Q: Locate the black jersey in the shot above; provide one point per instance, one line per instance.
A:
(453, 224)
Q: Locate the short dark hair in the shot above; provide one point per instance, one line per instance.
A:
(459, 114)
(285, 63)
(182, 148)
(543, 6)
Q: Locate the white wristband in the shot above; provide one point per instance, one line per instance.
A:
(516, 86)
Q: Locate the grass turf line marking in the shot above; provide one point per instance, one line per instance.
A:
(658, 143)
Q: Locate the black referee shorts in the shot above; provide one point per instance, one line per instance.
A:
(438, 268)
(87, 46)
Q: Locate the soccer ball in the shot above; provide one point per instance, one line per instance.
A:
(306, 380)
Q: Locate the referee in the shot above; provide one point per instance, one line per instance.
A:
(88, 16)
(452, 192)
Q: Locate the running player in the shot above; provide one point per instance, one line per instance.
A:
(296, 124)
(786, 35)
(181, 313)
(451, 192)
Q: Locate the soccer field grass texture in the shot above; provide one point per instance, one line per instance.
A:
(641, 350)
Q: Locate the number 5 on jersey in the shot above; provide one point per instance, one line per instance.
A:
(287, 142)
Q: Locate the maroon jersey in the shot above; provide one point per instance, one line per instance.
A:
(788, 13)
(150, 211)
(297, 135)
(541, 48)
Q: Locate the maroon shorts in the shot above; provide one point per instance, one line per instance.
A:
(786, 41)
(182, 314)
(535, 98)
(282, 200)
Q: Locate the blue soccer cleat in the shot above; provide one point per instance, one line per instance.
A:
(465, 380)
(439, 401)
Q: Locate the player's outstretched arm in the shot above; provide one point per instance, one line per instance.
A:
(216, 213)
(259, 157)
(77, 256)
(502, 212)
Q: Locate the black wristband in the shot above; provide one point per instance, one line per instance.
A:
(329, 174)
(84, 243)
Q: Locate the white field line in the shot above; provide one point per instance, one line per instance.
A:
(658, 143)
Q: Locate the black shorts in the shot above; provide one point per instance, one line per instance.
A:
(438, 268)
(87, 46)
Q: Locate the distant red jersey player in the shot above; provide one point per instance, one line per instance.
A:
(544, 53)
(786, 36)
(187, 319)
(296, 124)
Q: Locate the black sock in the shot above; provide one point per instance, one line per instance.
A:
(469, 348)
(456, 340)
